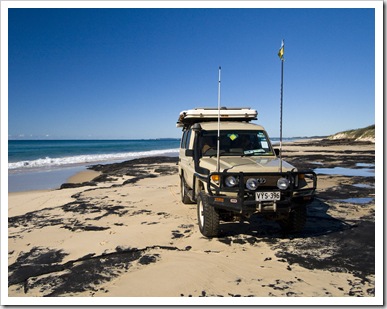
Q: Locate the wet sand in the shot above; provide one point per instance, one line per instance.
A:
(84, 176)
(125, 233)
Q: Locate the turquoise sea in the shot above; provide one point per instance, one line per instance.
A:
(38, 154)
(46, 164)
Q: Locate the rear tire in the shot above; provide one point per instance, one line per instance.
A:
(183, 192)
(296, 220)
(208, 217)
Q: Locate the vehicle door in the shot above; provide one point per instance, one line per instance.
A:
(187, 164)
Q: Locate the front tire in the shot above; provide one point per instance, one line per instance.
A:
(208, 217)
(296, 220)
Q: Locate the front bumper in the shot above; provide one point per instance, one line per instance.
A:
(239, 199)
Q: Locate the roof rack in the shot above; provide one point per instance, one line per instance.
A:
(205, 114)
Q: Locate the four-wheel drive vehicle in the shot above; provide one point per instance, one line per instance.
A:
(244, 177)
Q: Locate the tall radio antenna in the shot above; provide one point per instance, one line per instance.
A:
(218, 142)
(281, 56)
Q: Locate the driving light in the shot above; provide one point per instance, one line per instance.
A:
(283, 183)
(251, 184)
(231, 181)
(215, 178)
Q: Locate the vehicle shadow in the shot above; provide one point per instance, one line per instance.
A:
(326, 243)
(318, 223)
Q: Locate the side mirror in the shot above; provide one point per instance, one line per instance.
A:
(189, 153)
(277, 152)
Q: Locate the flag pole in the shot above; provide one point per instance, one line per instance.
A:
(281, 55)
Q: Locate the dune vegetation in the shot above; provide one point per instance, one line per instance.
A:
(363, 134)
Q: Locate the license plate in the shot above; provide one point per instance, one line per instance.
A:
(267, 196)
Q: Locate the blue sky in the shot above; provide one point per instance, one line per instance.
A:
(127, 73)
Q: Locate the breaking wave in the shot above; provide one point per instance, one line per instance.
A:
(86, 159)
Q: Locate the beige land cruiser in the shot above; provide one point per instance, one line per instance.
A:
(228, 166)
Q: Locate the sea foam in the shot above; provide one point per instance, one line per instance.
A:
(86, 159)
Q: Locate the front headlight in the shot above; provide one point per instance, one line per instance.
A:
(283, 183)
(231, 181)
(252, 184)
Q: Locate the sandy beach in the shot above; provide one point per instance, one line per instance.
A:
(121, 230)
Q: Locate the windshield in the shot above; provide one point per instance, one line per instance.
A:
(235, 143)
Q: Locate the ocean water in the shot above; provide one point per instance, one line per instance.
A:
(41, 154)
(46, 164)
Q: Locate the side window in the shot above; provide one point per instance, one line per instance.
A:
(188, 138)
(183, 140)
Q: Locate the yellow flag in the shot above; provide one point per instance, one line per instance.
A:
(281, 51)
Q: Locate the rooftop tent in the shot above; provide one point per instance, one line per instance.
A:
(189, 117)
